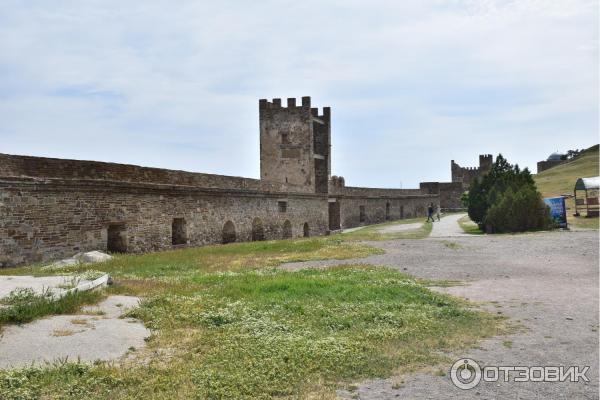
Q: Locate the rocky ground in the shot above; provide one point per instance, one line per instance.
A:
(546, 283)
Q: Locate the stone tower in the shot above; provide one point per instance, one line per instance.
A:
(485, 162)
(295, 144)
(467, 174)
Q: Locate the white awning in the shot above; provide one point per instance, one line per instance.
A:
(588, 183)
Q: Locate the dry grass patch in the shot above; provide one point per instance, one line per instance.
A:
(63, 332)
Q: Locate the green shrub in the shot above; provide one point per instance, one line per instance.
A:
(518, 212)
(506, 200)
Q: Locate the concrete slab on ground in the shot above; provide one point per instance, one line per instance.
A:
(38, 283)
(101, 334)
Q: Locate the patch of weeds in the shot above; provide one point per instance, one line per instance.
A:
(469, 226)
(63, 332)
(94, 312)
(452, 245)
(352, 388)
(81, 321)
(24, 305)
(507, 343)
(90, 275)
(64, 380)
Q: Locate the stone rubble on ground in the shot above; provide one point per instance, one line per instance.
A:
(89, 257)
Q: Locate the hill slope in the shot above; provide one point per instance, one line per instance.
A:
(561, 180)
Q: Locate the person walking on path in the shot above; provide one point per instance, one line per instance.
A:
(430, 213)
(438, 211)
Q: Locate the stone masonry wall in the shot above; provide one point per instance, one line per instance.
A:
(41, 220)
(375, 209)
(376, 204)
(449, 193)
(41, 167)
(544, 165)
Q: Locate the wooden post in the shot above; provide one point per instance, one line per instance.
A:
(587, 205)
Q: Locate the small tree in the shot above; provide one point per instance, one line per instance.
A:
(507, 200)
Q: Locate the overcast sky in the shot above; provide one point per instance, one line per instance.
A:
(412, 84)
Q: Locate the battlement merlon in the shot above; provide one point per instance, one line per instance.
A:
(264, 104)
(305, 103)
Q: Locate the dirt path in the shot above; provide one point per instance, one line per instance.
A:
(101, 335)
(401, 228)
(547, 282)
(448, 227)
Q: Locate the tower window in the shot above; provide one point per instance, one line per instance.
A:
(282, 206)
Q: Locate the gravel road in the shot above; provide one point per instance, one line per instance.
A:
(547, 282)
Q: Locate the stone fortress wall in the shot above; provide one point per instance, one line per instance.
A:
(51, 208)
(467, 174)
(547, 164)
(450, 192)
(46, 217)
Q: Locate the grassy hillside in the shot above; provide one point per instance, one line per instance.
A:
(561, 180)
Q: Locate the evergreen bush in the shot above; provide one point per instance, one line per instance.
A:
(506, 200)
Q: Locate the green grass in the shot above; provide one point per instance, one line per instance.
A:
(561, 180)
(374, 233)
(183, 263)
(23, 305)
(228, 325)
(469, 226)
(270, 333)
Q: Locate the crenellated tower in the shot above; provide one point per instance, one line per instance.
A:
(467, 174)
(295, 143)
